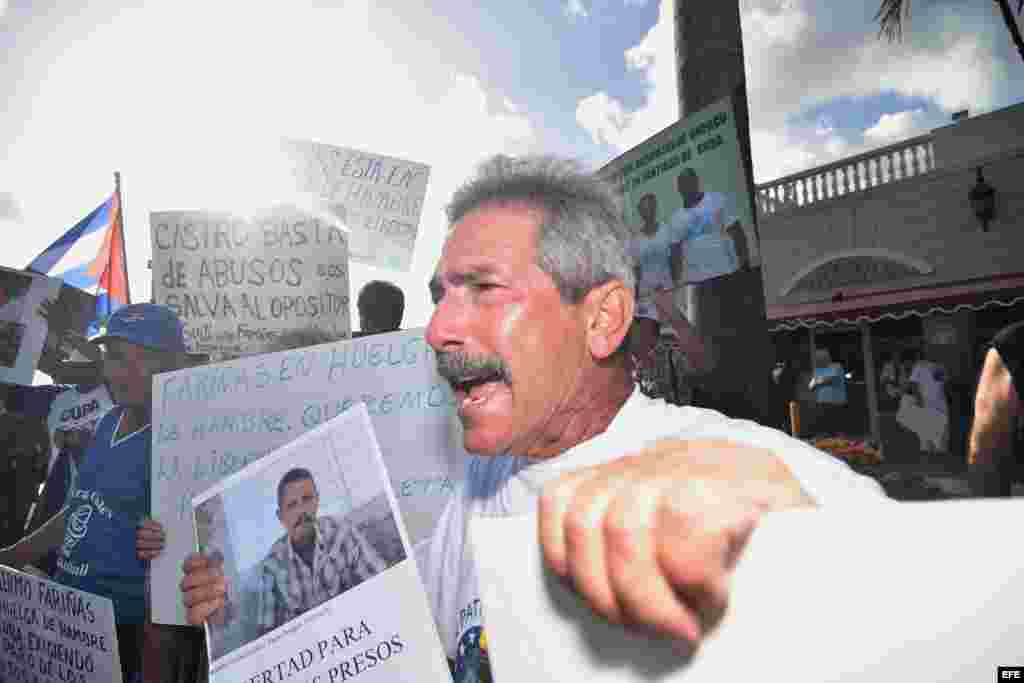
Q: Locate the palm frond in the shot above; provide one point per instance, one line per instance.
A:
(891, 15)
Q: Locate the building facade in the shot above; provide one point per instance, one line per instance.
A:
(886, 253)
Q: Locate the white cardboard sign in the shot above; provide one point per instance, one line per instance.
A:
(237, 283)
(210, 421)
(378, 628)
(22, 329)
(378, 198)
(49, 632)
(903, 591)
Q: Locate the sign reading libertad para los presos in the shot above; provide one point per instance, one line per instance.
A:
(238, 283)
(49, 632)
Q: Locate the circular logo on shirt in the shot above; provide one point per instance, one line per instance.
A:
(472, 665)
(77, 527)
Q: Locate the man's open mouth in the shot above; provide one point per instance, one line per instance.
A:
(475, 387)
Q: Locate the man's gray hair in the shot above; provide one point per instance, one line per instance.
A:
(582, 242)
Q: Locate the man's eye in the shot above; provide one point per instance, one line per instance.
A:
(487, 286)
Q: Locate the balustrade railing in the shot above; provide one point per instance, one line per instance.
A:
(906, 159)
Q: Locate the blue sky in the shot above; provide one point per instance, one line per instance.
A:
(170, 92)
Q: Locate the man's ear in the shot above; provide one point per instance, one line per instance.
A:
(609, 313)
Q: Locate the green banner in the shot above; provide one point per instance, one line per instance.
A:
(685, 197)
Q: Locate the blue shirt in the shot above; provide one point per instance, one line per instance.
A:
(835, 391)
(709, 252)
(103, 512)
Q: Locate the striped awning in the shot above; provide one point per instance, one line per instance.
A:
(843, 311)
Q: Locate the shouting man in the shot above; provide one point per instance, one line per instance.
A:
(643, 505)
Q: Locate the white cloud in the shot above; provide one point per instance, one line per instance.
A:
(653, 58)
(894, 127)
(575, 9)
(801, 55)
(9, 209)
(774, 25)
(784, 151)
(604, 118)
(794, 61)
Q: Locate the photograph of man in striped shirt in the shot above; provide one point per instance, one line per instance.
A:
(317, 559)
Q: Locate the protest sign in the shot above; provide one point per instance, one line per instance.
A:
(75, 311)
(210, 421)
(22, 329)
(378, 198)
(685, 196)
(49, 632)
(364, 614)
(74, 415)
(238, 283)
(879, 593)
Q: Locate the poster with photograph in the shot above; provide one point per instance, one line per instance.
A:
(685, 197)
(238, 283)
(322, 580)
(211, 421)
(52, 633)
(22, 329)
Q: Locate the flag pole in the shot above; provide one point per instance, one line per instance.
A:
(124, 249)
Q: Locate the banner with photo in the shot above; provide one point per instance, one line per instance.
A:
(379, 199)
(22, 329)
(685, 197)
(49, 632)
(239, 283)
(210, 421)
(325, 497)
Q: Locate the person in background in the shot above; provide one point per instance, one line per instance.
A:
(103, 534)
(995, 441)
(927, 386)
(381, 306)
(784, 377)
(658, 262)
(71, 411)
(830, 392)
(709, 218)
(889, 383)
(657, 253)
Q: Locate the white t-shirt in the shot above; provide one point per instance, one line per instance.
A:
(653, 253)
(932, 379)
(708, 251)
(505, 486)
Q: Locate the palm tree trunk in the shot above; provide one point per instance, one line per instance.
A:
(729, 311)
(1011, 25)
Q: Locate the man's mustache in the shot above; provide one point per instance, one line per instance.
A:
(457, 367)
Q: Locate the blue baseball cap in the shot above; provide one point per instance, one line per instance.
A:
(149, 325)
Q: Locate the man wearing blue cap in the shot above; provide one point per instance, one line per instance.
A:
(103, 537)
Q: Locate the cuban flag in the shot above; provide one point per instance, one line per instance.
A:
(91, 256)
